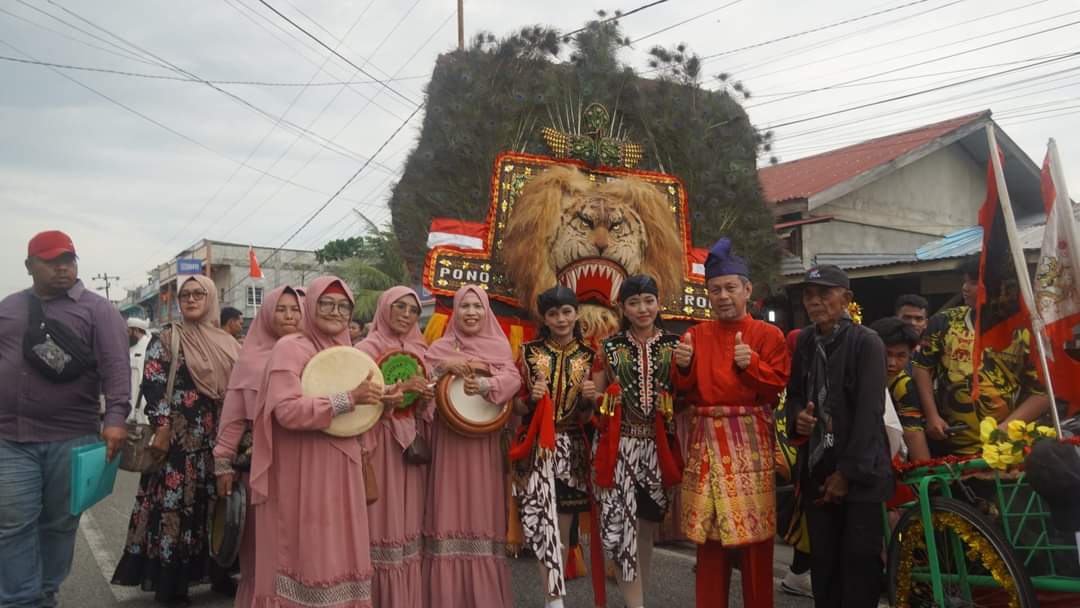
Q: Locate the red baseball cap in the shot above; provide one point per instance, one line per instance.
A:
(50, 244)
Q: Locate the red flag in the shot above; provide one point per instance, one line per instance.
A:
(1057, 281)
(999, 311)
(254, 272)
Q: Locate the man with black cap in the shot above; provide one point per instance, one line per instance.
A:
(60, 346)
(731, 371)
(836, 404)
(552, 477)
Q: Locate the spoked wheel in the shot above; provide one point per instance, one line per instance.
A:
(977, 566)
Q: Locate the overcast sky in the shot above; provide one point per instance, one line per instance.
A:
(160, 163)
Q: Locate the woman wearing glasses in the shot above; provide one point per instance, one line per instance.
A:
(465, 517)
(396, 517)
(166, 549)
(311, 522)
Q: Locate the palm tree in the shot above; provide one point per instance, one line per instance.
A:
(369, 263)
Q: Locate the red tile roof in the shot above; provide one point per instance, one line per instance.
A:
(808, 176)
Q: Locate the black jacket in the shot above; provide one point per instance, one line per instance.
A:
(857, 380)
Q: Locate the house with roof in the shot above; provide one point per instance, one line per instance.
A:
(899, 213)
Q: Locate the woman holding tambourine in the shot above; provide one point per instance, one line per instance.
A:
(401, 453)
(465, 519)
(307, 483)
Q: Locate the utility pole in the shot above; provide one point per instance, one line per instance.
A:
(461, 25)
(101, 276)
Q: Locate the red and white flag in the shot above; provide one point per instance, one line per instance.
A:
(254, 271)
(458, 233)
(1057, 279)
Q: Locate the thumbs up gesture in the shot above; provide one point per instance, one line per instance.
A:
(805, 421)
(743, 353)
(684, 352)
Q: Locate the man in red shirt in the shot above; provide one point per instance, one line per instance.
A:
(731, 371)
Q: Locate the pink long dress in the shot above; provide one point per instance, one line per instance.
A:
(465, 520)
(307, 487)
(238, 411)
(395, 519)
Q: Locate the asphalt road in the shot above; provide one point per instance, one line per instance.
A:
(104, 528)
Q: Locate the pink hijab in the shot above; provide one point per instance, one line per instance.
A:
(248, 372)
(489, 345)
(381, 340)
(290, 355)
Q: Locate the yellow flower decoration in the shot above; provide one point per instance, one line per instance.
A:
(991, 455)
(855, 312)
(1017, 430)
(1046, 431)
(987, 426)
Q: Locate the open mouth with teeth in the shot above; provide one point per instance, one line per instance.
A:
(595, 280)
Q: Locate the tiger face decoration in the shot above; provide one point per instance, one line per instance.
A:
(589, 235)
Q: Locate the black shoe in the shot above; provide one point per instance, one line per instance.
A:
(226, 587)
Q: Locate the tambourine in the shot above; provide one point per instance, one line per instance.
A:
(399, 366)
(339, 370)
(469, 415)
(227, 524)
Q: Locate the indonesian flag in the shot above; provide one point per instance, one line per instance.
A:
(458, 233)
(1057, 280)
(253, 262)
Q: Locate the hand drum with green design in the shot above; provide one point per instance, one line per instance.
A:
(399, 367)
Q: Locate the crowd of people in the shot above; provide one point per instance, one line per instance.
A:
(613, 431)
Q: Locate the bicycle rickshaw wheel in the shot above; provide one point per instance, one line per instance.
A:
(995, 575)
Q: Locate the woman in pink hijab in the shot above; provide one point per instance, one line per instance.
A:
(465, 519)
(396, 517)
(307, 487)
(279, 316)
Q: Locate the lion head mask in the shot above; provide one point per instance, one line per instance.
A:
(566, 228)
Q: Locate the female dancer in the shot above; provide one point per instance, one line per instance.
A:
(553, 479)
(634, 462)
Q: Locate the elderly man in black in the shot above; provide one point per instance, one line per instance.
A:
(835, 403)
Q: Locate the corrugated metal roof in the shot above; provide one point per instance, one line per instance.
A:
(792, 265)
(968, 241)
(851, 261)
(808, 176)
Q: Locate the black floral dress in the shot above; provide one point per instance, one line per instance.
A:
(168, 539)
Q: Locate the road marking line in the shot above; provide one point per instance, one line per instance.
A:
(99, 547)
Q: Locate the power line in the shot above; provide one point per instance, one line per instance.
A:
(801, 51)
(684, 22)
(813, 30)
(917, 64)
(296, 98)
(314, 137)
(894, 41)
(616, 16)
(338, 192)
(335, 53)
(125, 55)
(358, 112)
(256, 83)
(916, 93)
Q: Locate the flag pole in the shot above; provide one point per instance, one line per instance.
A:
(1022, 276)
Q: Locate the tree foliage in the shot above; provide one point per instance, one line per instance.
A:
(370, 263)
(497, 94)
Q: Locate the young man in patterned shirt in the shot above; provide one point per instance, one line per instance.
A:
(900, 340)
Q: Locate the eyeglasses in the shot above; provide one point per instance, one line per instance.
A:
(329, 307)
(195, 296)
(406, 308)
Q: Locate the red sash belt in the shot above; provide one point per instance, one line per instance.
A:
(727, 411)
(543, 424)
(607, 448)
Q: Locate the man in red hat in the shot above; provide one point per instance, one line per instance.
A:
(61, 345)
